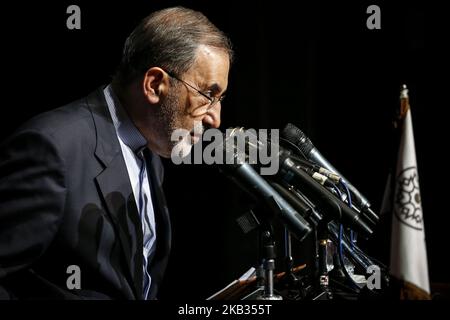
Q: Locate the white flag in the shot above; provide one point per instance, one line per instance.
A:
(408, 261)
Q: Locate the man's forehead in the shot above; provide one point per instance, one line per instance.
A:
(211, 64)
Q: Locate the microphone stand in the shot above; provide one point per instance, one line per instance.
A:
(268, 262)
(320, 286)
(290, 277)
(322, 277)
(266, 250)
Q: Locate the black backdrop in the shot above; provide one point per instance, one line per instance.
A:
(312, 63)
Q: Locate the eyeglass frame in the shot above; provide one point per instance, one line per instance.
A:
(212, 100)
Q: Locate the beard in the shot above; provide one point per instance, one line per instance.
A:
(173, 117)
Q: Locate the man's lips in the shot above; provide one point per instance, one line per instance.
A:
(195, 137)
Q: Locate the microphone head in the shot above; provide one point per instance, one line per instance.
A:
(297, 137)
(239, 144)
(233, 155)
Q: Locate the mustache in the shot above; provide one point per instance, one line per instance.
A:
(198, 129)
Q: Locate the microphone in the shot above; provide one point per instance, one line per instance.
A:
(299, 139)
(293, 173)
(322, 198)
(298, 201)
(250, 181)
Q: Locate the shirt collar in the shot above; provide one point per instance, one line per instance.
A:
(125, 128)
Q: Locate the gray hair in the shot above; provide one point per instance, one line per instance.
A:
(168, 39)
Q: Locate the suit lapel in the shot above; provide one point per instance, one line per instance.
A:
(116, 191)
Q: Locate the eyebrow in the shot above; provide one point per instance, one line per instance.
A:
(215, 88)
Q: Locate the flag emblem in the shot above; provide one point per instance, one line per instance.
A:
(407, 205)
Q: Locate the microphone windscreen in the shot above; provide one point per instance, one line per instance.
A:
(297, 137)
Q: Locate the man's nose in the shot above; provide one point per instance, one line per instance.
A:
(212, 118)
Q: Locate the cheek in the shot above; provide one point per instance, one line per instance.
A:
(195, 108)
(191, 112)
(184, 120)
(188, 123)
(188, 113)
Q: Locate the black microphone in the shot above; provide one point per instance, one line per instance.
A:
(250, 181)
(293, 173)
(298, 201)
(299, 139)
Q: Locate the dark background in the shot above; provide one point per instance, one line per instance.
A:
(312, 63)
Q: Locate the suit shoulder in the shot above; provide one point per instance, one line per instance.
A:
(73, 116)
(70, 127)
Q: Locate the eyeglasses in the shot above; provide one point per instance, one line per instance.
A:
(212, 100)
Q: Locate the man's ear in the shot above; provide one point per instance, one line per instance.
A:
(155, 85)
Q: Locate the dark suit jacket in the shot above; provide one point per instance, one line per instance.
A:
(66, 199)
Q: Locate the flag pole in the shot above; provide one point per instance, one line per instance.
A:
(404, 107)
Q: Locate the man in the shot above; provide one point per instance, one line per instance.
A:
(82, 213)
